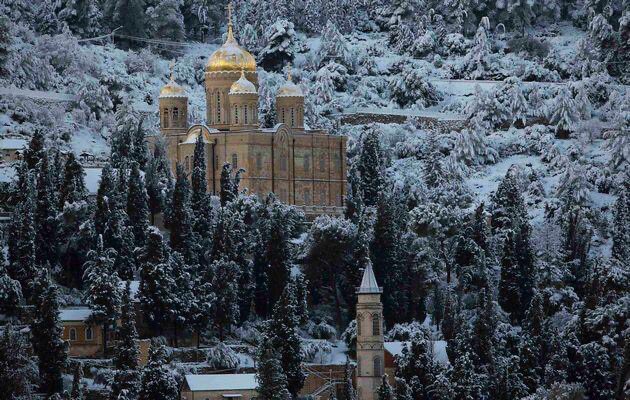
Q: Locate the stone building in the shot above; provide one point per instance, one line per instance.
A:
(302, 167)
(370, 341)
(84, 340)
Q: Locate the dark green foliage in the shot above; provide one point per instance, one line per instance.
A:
(415, 366)
(18, 372)
(595, 371)
(105, 199)
(36, 150)
(158, 382)
(621, 226)
(272, 381)
(483, 330)
(229, 185)
(137, 206)
(73, 186)
(508, 208)
(45, 215)
(129, 14)
(466, 383)
(46, 336)
(77, 384)
(509, 288)
(370, 167)
(385, 391)
(127, 351)
(182, 237)
(225, 274)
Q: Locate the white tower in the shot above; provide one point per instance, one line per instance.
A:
(370, 353)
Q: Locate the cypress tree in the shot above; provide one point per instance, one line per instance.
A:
(22, 266)
(182, 239)
(508, 207)
(284, 333)
(524, 256)
(77, 385)
(18, 372)
(139, 150)
(158, 382)
(229, 185)
(483, 329)
(509, 288)
(370, 167)
(127, 352)
(225, 287)
(45, 215)
(46, 336)
(272, 381)
(466, 384)
(198, 180)
(10, 290)
(103, 291)
(385, 391)
(621, 226)
(73, 186)
(104, 199)
(118, 235)
(36, 150)
(137, 207)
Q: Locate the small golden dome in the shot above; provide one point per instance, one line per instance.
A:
(243, 86)
(231, 57)
(289, 89)
(172, 89)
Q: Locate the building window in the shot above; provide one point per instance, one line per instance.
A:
(245, 115)
(216, 162)
(376, 325)
(234, 161)
(187, 164)
(378, 368)
(283, 119)
(292, 118)
(165, 117)
(359, 323)
(283, 162)
(88, 334)
(322, 163)
(73, 334)
(259, 161)
(236, 115)
(175, 116)
(218, 107)
(358, 366)
(307, 163)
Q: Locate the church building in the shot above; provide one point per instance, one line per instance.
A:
(302, 167)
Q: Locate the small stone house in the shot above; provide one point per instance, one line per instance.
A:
(84, 340)
(219, 387)
(10, 149)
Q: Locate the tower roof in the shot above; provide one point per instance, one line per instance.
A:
(231, 56)
(172, 89)
(368, 283)
(289, 89)
(243, 86)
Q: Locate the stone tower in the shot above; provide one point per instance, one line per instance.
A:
(173, 116)
(370, 353)
(290, 104)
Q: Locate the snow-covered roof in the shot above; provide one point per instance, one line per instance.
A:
(74, 314)
(6, 174)
(206, 383)
(439, 350)
(368, 283)
(12, 144)
(92, 179)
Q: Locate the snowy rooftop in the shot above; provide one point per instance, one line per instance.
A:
(74, 314)
(203, 383)
(368, 283)
(439, 350)
(12, 144)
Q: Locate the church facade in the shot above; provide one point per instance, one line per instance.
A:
(302, 167)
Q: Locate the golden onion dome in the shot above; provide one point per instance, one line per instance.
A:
(172, 89)
(289, 89)
(243, 86)
(231, 57)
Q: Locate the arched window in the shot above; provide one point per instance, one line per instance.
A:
(88, 333)
(235, 115)
(378, 367)
(73, 334)
(322, 163)
(259, 161)
(216, 162)
(175, 116)
(283, 162)
(284, 121)
(245, 115)
(292, 117)
(359, 323)
(235, 161)
(218, 107)
(307, 196)
(165, 118)
(376, 325)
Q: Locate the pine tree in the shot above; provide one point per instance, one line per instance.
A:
(183, 299)
(483, 330)
(73, 186)
(509, 289)
(621, 226)
(84, 17)
(333, 46)
(158, 382)
(476, 62)
(166, 20)
(385, 391)
(127, 120)
(283, 330)
(524, 255)
(127, 351)
(618, 143)
(200, 200)
(594, 370)
(281, 45)
(129, 14)
(46, 336)
(272, 381)
(370, 167)
(466, 384)
(416, 366)
(182, 237)
(564, 115)
(77, 384)
(324, 89)
(225, 287)
(103, 288)
(119, 235)
(348, 388)
(508, 208)
(137, 206)
(18, 372)
(45, 215)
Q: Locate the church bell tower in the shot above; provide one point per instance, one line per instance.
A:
(370, 353)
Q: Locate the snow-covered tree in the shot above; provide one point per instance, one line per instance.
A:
(282, 45)
(18, 371)
(46, 336)
(385, 391)
(225, 287)
(122, 138)
(618, 143)
(412, 89)
(158, 383)
(46, 212)
(466, 383)
(77, 383)
(564, 113)
(370, 166)
(166, 20)
(10, 290)
(476, 63)
(84, 17)
(103, 288)
(126, 353)
(334, 46)
(272, 381)
(72, 188)
(573, 187)
(324, 88)
(621, 226)
(182, 235)
(137, 207)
